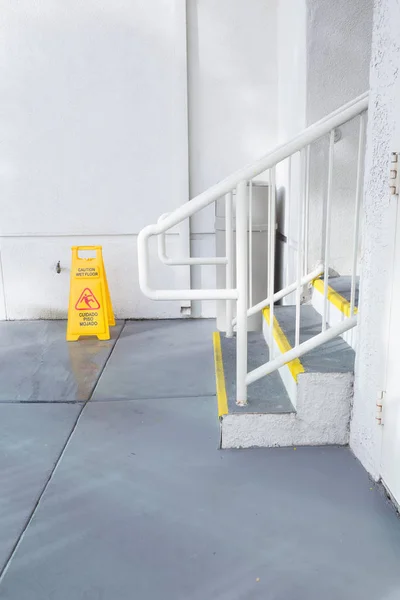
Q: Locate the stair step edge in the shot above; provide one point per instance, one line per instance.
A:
(335, 356)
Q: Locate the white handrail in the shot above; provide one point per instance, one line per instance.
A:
(312, 133)
(239, 180)
(188, 260)
(289, 289)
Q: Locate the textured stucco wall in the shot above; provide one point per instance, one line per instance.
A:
(378, 239)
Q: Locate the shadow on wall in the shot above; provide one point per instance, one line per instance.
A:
(281, 239)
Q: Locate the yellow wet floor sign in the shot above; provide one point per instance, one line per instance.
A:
(90, 310)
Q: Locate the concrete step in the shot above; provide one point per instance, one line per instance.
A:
(338, 309)
(305, 403)
(329, 364)
(268, 395)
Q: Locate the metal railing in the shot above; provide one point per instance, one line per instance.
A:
(241, 293)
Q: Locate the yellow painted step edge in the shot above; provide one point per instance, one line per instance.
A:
(295, 366)
(222, 399)
(337, 299)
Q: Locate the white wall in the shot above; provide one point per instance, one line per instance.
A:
(292, 89)
(93, 146)
(323, 50)
(338, 53)
(291, 45)
(96, 101)
(94, 130)
(378, 239)
(232, 75)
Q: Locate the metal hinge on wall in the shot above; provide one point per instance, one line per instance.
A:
(379, 407)
(394, 174)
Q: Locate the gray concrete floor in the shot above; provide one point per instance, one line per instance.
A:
(37, 365)
(128, 497)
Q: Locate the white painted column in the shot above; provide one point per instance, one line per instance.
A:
(229, 264)
(242, 286)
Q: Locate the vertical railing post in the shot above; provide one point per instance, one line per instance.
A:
(242, 287)
(269, 288)
(288, 232)
(328, 228)
(271, 255)
(300, 234)
(360, 172)
(306, 209)
(229, 264)
(250, 227)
